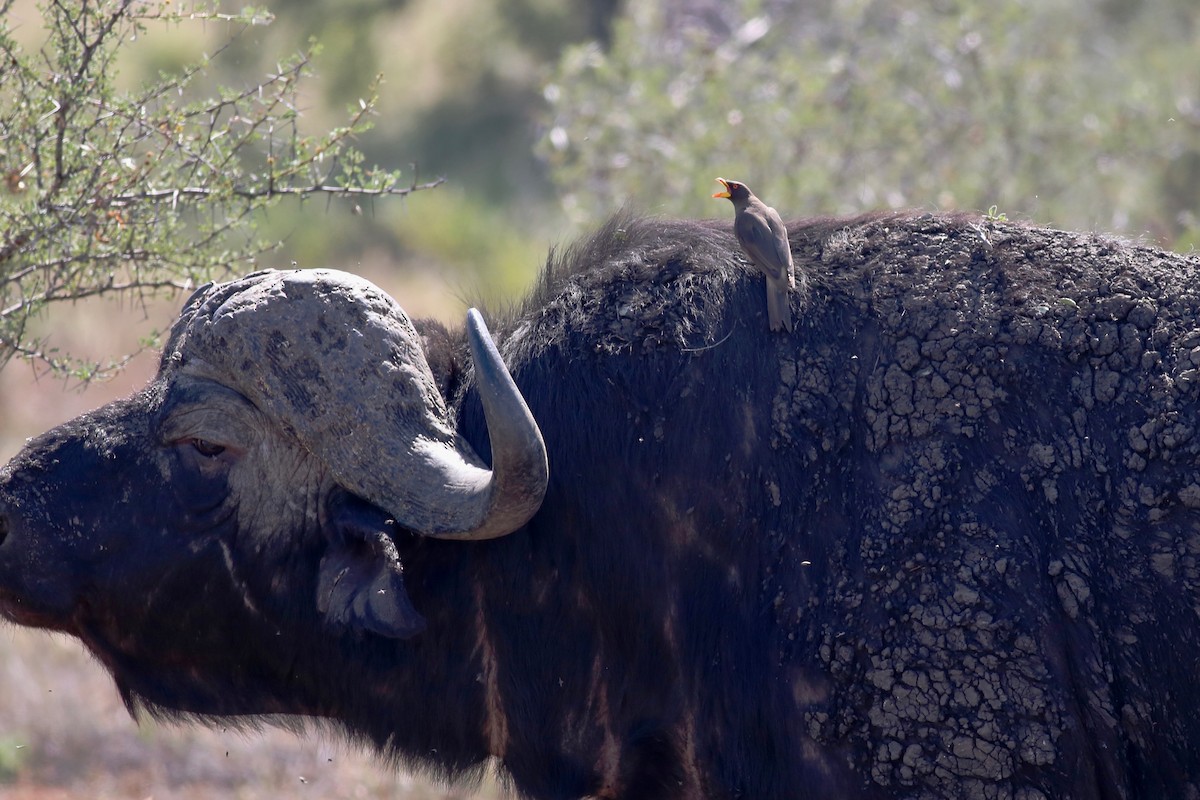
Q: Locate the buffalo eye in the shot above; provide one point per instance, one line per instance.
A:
(206, 448)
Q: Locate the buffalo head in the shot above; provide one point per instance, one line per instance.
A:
(295, 426)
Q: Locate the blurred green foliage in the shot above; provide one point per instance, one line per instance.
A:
(460, 99)
(1068, 112)
(456, 227)
(133, 191)
(12, 754)
(545, 116)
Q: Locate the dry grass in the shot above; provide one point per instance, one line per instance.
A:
(64, 734)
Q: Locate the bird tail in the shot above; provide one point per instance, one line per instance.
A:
(779, 308)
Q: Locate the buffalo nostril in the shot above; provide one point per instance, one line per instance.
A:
(3, 528)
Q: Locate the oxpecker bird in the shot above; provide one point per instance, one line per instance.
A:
(761, 234)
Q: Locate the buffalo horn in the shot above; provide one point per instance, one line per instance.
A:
(333, 359)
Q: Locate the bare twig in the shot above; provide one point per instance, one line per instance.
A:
(133, 195)
(268, 192)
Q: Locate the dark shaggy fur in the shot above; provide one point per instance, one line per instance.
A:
(936, 539)
(941, 541)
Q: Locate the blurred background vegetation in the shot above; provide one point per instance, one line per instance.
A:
(544, 116)
(547, 115)
(1066, 112)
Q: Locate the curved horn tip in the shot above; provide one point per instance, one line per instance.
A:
(520, 474)
(486, 354)
(476, 324)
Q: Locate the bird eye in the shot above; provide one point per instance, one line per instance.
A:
(206, 448)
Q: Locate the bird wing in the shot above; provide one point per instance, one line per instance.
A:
(766, 247)
(783, 247)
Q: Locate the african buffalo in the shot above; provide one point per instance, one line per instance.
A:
(941, 541)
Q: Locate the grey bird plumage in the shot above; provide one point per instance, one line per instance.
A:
(762, 235)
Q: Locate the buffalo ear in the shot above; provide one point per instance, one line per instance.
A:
(360, 582)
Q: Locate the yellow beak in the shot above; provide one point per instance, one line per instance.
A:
(726, 185)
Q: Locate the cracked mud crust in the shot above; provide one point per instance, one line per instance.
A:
(975, 463)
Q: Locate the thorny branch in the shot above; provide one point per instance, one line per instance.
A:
(275, 191)
(137, 193)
